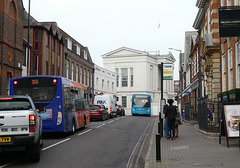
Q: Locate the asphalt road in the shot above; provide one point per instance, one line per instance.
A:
(120, 142)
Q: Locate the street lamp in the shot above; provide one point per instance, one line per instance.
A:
(175, 50)
(180, 54)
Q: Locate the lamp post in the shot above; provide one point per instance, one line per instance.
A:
(180, 76)
(28, 45)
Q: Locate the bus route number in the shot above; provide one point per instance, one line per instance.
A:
(35, 82)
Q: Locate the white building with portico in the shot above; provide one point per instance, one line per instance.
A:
(139, 72)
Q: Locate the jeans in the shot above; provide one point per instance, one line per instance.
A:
(166, 133)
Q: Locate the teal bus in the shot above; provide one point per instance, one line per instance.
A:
(141, 104)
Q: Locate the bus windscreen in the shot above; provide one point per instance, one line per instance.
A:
(141, 102)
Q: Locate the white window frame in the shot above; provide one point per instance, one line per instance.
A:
(85, 54)
(222, 2)
(117, 76)
(91, 79)
(124, 101)
(102, 83)
(131, 73)
(124, 77)
(88, 77)
(77, 71)
(67, 68)
(81, 74)
(229, 2)
(209, 20)
(237, 50)
(237, 2)
(78, 50)
(84, 76)
(72, 70)
(69, 44)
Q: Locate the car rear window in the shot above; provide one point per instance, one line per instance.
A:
(14, 104)
(94, 107)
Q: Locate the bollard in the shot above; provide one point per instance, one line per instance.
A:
(159, 127)
(158, 147)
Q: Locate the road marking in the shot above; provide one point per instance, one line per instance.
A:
(134, 150)
(56, 144)
(110, 122)
(100, 125)
(7, 164)
(85, 132)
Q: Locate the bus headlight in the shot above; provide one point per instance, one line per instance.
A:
(59, 118)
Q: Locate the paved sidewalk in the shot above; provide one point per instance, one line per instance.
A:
(193, 150)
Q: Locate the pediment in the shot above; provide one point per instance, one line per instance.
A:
(125, 52)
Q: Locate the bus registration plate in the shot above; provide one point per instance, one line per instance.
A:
(5, 139)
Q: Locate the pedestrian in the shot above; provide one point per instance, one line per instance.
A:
(166, 133)
(178, 119)
(171, 113)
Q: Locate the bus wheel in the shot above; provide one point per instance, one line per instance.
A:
(73, 127)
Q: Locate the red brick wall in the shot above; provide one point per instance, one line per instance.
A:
(11, 41)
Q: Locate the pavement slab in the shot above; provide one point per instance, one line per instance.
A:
(192, 150)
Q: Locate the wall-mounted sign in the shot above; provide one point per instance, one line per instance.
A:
(229, 22)
(10, 56)
(167, 71)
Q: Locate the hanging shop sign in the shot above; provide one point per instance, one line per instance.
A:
(229, 22)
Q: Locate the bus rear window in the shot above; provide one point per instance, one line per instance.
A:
(38, 94)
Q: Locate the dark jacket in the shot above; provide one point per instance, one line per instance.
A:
(171, 112)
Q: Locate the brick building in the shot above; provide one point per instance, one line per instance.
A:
(230, 59)
(206, 23)
(79, 66)
(46, 48)
(11, 42)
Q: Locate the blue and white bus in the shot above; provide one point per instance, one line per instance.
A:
(141, 104)
(63, 104)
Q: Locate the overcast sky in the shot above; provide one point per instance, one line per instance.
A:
(106, 25)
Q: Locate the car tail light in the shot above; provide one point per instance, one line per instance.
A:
(110, 108)
(59, 118)
(6, 98)
(32, 123)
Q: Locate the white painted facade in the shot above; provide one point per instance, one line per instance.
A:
(104, 81)
(143, 75)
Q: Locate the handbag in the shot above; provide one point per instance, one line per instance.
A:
(180, 122)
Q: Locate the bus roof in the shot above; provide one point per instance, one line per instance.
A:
(79, 85)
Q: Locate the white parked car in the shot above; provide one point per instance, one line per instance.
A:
(20, 125)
